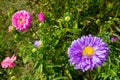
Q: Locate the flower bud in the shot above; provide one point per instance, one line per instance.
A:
(67, 18)
(34, 50)
(41, 17)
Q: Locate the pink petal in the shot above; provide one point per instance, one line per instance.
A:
(6, 59)
(4, 64)
(13, 58)
(11, 65)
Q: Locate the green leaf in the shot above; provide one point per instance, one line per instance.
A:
(68, 74)
(118, 29)
(113, 72)
(26, 59)
(75, 25)
(51, 66)
(59, 78)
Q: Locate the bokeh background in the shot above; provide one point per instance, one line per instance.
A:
(65, 21)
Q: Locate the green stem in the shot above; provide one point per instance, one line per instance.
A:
(90, 75)
(32, 31)
(111, 30)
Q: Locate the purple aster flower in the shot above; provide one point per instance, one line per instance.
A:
(87, 52)
(37, 43)
(21, 20)
(114, 39)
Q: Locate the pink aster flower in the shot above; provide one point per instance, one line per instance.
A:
(41, 17)
(8, 62)
(21, 20)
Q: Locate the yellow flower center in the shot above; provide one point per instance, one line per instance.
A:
(88, 50)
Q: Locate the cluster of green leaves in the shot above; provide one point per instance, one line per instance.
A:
(65, 21)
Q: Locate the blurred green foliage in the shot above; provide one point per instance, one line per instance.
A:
(65, 20)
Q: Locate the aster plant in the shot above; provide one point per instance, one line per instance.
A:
(87, 53)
